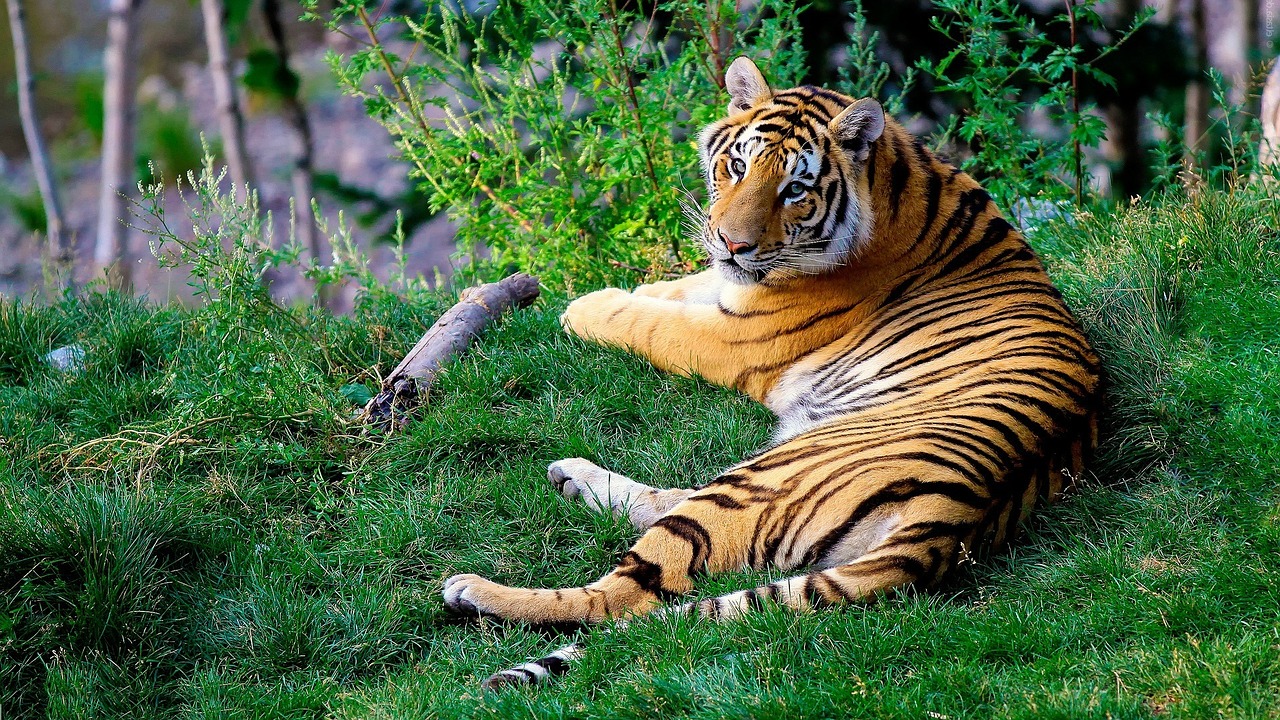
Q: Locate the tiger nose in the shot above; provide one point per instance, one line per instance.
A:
(737, 248)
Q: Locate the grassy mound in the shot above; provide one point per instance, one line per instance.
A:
(194, 525)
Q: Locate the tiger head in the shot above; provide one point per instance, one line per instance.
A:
(786, 178)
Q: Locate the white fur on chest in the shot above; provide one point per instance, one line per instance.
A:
(811, 394)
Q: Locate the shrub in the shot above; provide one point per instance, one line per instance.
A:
(559, 134)
(1004, 69)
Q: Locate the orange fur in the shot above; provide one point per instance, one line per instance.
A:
(931, 385)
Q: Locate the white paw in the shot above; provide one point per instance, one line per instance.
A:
(456, 596)
(574, 476)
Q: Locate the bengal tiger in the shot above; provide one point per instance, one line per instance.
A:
(931, 385)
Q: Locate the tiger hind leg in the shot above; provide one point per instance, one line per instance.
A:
(691, 539)
(914, 554)
(862, 580)
(601, 490)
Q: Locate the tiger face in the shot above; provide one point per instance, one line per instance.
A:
(786, 179)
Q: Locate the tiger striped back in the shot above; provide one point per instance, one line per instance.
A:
(930, 383)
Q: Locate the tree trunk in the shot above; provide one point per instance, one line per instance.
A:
(60, 252)
(1249, 12)
(1124, 124)
(119, 115)
(303, 170)
(1197, 99)
(1269, 149)
(230, 120)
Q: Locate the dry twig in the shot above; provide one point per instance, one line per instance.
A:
(403, 389)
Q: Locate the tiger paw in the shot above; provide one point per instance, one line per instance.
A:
(572, 476)
(587, 316)
(653, 290)
(470, 595)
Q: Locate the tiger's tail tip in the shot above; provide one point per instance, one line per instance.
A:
(535, 672)
(506, 678)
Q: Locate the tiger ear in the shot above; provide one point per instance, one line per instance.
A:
(746, 85)
(857, 126)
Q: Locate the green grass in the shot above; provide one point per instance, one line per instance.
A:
(195, 527)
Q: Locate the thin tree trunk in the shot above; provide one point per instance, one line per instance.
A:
(230, 120)
(303, 170)
(1269, 148)
(1249, 12)
(119, 115)
(1197, 99)
(59, 248)
(1124, 119)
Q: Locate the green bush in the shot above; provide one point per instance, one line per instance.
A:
(1005, 68)
(559, 135)
(168, 145)
(27, 207)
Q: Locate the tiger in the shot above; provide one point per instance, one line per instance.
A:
(930, 383)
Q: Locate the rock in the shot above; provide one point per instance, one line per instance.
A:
(67, 359)
(1030, 212)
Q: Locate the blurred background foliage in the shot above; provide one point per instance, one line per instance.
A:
(556, 136)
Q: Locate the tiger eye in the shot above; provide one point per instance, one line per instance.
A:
(738, 166)
(796, 189)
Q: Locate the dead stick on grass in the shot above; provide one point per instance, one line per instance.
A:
(449, 336)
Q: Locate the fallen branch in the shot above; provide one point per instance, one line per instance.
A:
(403, 389)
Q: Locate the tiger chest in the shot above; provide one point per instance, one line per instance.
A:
(825, 386)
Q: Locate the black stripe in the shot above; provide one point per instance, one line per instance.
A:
(899, 173)
(842, 208)
(897, 292)
(909, 566)
(720, 142)
(898, 491)
(747, 313)
(834, 588)
(645, 574)
(771, 592)
(920, 532)
(710, 608)
(997, 231)
(719, 500)
(813, 594)
(553, 664)
(933, 196)
(814, 320)
(960, 221)
(692, 532)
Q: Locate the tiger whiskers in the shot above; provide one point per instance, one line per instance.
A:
(695, 221)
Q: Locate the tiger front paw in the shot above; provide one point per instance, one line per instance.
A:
(574, 475)
(587, 316)
(664, 290)
(471, 595)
